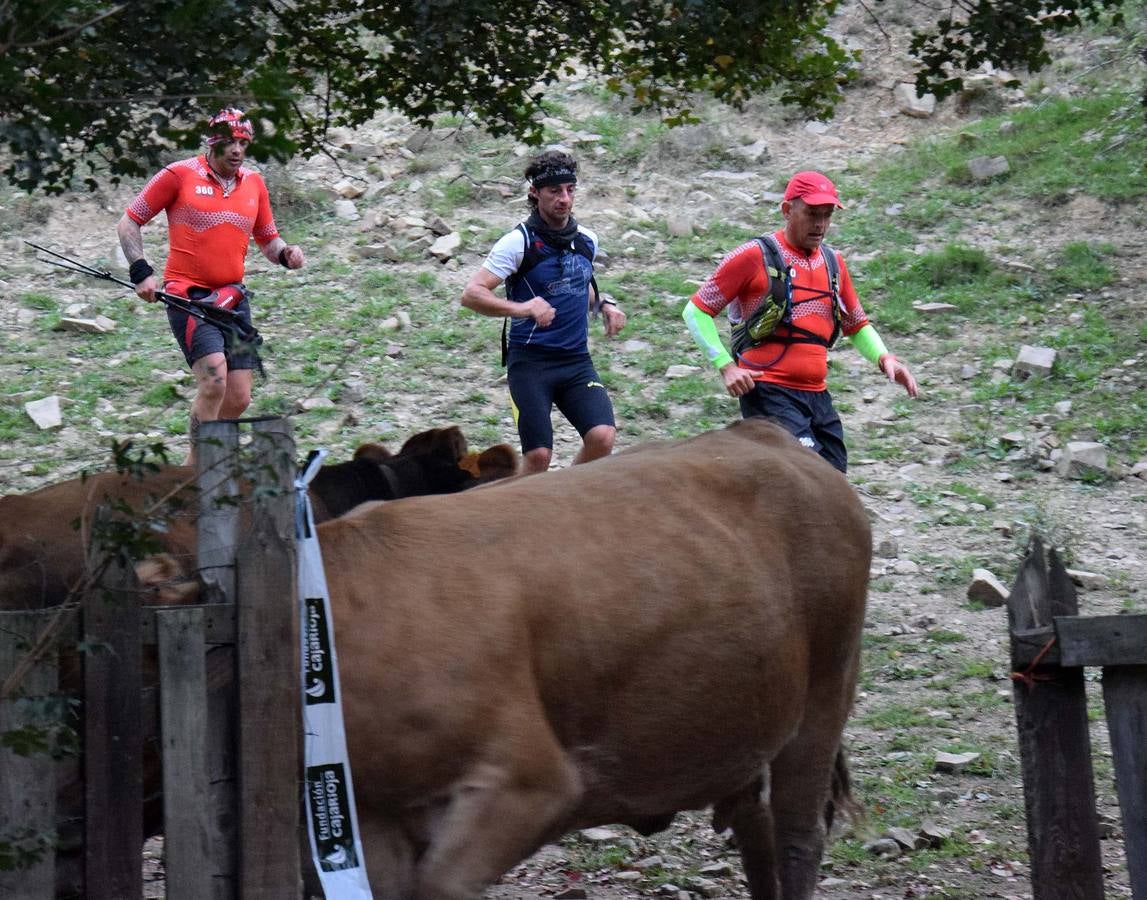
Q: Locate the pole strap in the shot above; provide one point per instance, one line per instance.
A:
(332, 821)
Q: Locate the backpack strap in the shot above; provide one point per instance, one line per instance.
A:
(530, 258)
(832, 263)
(798, 335)
(780, 276)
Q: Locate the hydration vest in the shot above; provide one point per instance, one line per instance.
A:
(530, 258)
(777, 305)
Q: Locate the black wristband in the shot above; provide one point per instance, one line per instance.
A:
(283, 258)
(139, 271)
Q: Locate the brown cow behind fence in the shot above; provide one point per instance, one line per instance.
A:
(668, 629)
(42, 552)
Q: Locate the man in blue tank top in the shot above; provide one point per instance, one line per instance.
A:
(547, 265)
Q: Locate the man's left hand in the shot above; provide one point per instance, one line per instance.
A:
(293, 254)
(898, 372)
(613, 318)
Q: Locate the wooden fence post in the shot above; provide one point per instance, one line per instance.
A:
(269, 703)
(1055, 747)
(27, 783)
(113, 729)
(217, 457)
(183, 716)
(1125, 700)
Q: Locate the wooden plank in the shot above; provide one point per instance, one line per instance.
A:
(1055, 746)
(1102, 640)
(1125, 699)
(1028, 600)
(269, 730)
(217, 454)
(217, 457)
(1062, 598)
(183, 716)
(113, 736)
(221, 764)
(27, 783)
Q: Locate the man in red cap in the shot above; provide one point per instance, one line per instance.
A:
(789, 297)
(214, 206)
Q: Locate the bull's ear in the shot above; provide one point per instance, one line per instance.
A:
(453, 441)
(423, 442)
(375, 453)
(500, 461)
(470, 464)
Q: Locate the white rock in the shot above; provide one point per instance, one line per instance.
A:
(1034, 361)
(345, 209)
(751, 152)
(45, 412)
(987, 589)
(349, 190)
(953, 763)
(98, 325)
(985, 168)
(681, 371)
(1081, 457)
(912, 104)
(1091, 581)
(444, 248)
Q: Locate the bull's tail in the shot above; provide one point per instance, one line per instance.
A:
(840, 800)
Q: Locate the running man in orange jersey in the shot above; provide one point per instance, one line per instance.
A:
(779, 372)
(214, 206)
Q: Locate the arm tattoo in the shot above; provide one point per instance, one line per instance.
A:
(131, 241)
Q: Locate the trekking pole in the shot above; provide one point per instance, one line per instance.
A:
(226, 319)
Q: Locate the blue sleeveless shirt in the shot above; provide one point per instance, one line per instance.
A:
(561, 277)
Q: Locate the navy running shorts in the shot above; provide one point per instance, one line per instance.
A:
(808, 415)
(541, 379)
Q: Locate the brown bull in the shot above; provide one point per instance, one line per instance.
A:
(667, 629)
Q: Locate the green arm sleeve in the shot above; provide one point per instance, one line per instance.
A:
(704, 331)
(868, 342)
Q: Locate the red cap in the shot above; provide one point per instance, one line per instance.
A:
(813, 188)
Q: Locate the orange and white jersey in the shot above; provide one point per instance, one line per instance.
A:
(208, 231)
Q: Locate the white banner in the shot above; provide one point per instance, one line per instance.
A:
(331, 819)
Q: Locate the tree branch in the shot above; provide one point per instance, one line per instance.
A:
(66, 35)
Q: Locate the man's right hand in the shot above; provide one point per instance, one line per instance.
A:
(738, 381)
(147, 288)
(541, 312)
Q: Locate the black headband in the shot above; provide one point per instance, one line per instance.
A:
(556, 175)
